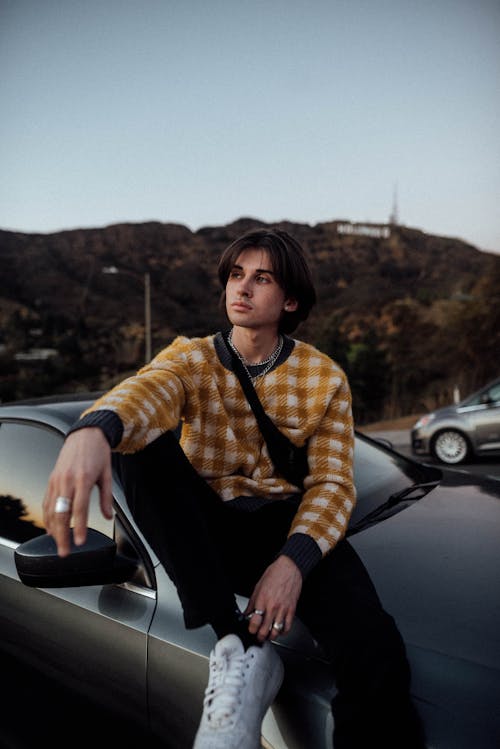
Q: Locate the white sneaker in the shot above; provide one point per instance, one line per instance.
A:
(241, 687)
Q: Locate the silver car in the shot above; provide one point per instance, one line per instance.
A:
(457, 433)
(104, 626)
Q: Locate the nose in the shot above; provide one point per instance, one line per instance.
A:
(244, 288)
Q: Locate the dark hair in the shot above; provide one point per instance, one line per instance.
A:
(288, 263)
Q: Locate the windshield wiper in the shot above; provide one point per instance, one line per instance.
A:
(396, 502)
(420, 490)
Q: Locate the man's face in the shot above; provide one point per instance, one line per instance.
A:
(254, 298)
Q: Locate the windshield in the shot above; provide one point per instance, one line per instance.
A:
(492, 391)
(380, 473)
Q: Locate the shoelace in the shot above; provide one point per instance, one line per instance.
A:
(222, 695)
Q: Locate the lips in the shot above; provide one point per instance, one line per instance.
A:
(240, 305)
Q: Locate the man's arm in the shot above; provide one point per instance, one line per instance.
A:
(321, 519)
(83, 462)
(124, 418)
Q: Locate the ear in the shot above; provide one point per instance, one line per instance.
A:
(290, 305)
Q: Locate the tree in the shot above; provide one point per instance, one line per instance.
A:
(368, 376)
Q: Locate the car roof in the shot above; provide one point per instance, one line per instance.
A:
(59, 411)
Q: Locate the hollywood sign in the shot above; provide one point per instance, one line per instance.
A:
(367, 230)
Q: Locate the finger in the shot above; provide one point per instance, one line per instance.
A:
(80, 514)
(105, 493)
(60, 520)
(51, 493)
(278, 626)
(288, 621)
(255, 618)
(45, 509)
(264, 632)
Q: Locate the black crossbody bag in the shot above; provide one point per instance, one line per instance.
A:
(290, 460)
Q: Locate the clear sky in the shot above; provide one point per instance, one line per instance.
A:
(200, 112)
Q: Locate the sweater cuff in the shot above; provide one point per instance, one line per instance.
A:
(303, 550)
(108, 422)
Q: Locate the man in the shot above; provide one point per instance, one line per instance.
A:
(223, 519)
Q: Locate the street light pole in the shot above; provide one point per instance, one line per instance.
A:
(113, 270)
(147, 317)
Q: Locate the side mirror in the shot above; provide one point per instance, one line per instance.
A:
(96, 562)
(486, 399)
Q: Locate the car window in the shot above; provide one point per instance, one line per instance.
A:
(494, 392)
(380, 473)
(27, 455)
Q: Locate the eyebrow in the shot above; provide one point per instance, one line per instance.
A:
(257, 270)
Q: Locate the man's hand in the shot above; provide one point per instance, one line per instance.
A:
(84, 462)
(275, 595)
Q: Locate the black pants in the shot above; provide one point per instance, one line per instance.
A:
(212, 551)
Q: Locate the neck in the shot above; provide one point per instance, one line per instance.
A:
(255, 345)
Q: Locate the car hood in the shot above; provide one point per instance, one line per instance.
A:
(445, 412)
(436, 567)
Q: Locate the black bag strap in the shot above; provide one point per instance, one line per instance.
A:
(290, 460)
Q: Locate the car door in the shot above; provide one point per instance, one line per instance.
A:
(487, 421)
(91, 639)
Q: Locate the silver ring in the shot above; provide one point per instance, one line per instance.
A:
(255, 611)
(278, 626)
(63, 504)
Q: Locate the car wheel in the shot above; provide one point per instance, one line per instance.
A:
(450, 447)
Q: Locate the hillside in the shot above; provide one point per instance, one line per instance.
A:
(409, 315)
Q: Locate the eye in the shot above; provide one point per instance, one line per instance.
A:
(262, 279)
(235, 273)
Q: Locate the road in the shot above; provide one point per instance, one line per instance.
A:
(400, 440)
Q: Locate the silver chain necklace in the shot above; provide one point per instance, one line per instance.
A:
(266, 365)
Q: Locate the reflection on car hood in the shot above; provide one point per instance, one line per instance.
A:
(436, 567)
(445, 411)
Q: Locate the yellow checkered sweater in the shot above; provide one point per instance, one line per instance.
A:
(307, 396)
